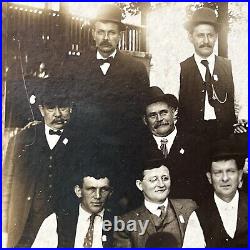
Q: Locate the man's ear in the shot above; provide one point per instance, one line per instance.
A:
(78, 191)
(138, 184)
(208, 174)
(175, 113)
(41, 110)
(190, 37)
(144, 119)
(240, 178)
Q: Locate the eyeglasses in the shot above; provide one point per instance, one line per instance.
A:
(155, 179)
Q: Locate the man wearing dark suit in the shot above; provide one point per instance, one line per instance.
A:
(186, 155)
(83, 224)
(110, 87)
(158, 214)
(37, 165)
(222, 220)
(206, 83)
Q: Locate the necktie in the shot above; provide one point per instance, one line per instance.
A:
(107, 60)
(208, 82)
(88, 240)
(164, 148)
(163, 212)
(56, 132)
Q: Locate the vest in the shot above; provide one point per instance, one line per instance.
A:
(66, 228)
(192, 96)
(214, 232)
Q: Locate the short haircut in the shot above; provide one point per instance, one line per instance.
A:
(240, 161)
(150, 164)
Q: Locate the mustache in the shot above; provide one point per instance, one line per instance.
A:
(206, 45)
(59, 121)
(157, 125)
(105, 43)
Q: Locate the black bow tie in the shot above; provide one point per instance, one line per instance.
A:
(107, 60)
(57, 132)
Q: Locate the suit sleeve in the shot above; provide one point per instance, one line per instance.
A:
(194, 237)
(7, 175)
(122, 238)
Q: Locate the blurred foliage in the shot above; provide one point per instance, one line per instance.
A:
(133, 8)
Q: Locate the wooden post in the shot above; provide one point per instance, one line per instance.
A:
(143, 41)
(223, 31)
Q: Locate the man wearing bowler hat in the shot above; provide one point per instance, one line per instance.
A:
(206, 93)
(185, 154)
(36, 167)
(110, 82)
(110, 86)
(222, 220)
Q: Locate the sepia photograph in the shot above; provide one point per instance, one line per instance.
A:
(124, 124)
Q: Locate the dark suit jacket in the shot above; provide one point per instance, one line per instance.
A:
(186, 161)
(67, 223)
(183, 208)
(28, 155)
(110, 102)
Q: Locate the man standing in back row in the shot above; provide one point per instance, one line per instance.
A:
(206, 86)
(110, 87)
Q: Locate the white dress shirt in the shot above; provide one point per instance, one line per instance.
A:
(209, 112)
(170, 138)
(104, 67)
(47, 235)
(194, 237)
(51, 139)
(153, 208)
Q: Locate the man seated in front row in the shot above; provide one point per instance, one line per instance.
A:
(222, 220)
(82, 225)
(158, 213)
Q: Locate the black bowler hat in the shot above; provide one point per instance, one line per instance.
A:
(155, 94)
(110, 13)
(55, 91)
(226, 149)
(202, 16)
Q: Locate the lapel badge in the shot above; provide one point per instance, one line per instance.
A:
(215, 78)
(182, 151)
(181, 218)
(104, 237)
(33, 99)
(65, 141)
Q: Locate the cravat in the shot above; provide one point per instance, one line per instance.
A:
(164, 148)
(88, 240)
(107, 60)
(208, 82)
(56, 132)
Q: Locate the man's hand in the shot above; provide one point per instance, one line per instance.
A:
(30, 124)
(241, 126)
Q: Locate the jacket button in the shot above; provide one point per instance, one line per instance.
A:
(50, 166)
(28, 198)
(203, 91)
(226, 239)
(201, 110)
(50, 157)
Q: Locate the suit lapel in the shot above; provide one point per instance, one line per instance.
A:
(144, 214)
(178, 211)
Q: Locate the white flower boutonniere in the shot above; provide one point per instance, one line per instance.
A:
(216, 78)
(33, 99)
(104, 238)
(181, 218)
(65, 141)
(182, 151)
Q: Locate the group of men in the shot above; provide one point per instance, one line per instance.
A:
(67, 178)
